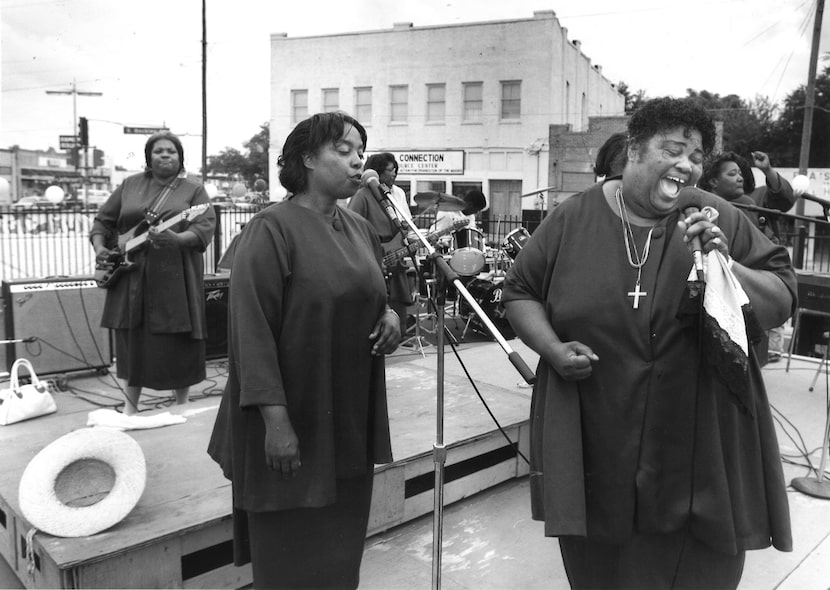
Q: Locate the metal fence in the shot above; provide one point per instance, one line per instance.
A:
(41, 244)
(36, 244)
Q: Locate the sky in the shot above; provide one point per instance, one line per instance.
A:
(145, 57)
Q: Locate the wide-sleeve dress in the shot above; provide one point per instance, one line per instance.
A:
(650, 442)
(306, 291)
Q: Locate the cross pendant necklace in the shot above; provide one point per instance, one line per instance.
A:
(636, 293)
(634, 258)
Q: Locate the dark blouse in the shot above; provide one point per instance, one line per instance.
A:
(306, 291)
(617, 452)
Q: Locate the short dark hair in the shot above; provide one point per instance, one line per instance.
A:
(379, 162)
(660, 114)
(151, 141)
(475, 202)
(712, 168)
(308, 137)
(611, 156)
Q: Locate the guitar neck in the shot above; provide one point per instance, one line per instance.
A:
(432, 238)
(137, 241)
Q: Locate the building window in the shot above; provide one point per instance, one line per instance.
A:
(436, 103)
(398, 104)
(473, 101)
(511, 100)
(331, 99)
(363, 104)
(299, 106)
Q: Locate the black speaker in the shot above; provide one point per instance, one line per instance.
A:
(216, 310)
(56, 324)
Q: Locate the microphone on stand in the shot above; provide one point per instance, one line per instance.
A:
(688, 201)
(381, 193)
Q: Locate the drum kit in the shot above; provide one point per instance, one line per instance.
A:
(480, 267)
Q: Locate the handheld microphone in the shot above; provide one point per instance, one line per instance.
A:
(688, 201)
(370, 180)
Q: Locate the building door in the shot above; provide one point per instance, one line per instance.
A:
(505, 198)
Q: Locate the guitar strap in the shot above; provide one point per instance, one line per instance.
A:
(151, 215)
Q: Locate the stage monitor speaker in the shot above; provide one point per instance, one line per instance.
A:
(56, 324)
(216, 311)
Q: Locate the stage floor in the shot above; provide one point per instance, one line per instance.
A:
(489, 540)
(183, 514)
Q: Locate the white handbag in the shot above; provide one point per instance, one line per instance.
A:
(23, 402)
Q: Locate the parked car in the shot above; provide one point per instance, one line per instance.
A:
(94, 197)
(223, 201)
(34, 202)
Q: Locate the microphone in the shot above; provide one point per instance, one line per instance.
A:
(370, 180)
(688, 201)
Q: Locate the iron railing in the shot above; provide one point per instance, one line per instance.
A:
(37, 244)
(43, 244)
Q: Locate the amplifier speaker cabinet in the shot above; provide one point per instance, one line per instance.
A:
(814, 313)
(216, 310)
(56, 324)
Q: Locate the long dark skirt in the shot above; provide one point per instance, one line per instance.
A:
(313, 547)
(158, 361)
(647, 562)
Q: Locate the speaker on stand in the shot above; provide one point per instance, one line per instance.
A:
(56, 324)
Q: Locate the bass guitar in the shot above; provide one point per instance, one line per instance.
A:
(394, 256)
(119, 263)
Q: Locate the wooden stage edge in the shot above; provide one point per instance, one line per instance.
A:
(180, 533)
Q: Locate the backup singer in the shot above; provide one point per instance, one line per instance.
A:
(304, 419)
(365, 205)
(643, 464)
(157, 310)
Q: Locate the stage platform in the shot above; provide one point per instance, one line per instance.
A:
(179, 534)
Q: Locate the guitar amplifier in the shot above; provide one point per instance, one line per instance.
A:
(216, 312)
(814, 291)
(56, 324)
(813, 296)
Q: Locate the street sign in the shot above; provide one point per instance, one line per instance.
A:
(143, 130)
(67, 142)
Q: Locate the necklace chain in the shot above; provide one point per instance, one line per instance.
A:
(630, 245)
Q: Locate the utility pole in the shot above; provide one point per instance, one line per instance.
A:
(76, 124)
(806, 133)
(204, 91)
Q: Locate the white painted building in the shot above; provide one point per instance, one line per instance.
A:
(461, 106)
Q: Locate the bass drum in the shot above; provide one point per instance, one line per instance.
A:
(488, 296)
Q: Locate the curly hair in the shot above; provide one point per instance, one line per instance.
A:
(712, 169)
(307, 138)
(660, 114)
(379, 162)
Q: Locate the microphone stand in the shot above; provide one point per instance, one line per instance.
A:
(439, 450)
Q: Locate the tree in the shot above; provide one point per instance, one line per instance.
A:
(632, 101)
(785, 136)
(251, 165)
(745, 124)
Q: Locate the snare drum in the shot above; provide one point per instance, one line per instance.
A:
(467, 257)
(515, 241)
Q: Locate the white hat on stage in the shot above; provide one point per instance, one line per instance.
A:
(83, 483)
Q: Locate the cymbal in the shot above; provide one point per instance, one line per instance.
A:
(442, 201)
